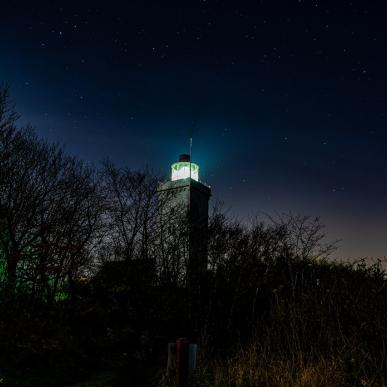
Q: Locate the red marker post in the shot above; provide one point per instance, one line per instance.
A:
(182, 353)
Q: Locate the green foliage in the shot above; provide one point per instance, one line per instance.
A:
(3, 268)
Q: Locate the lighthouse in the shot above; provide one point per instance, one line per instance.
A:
(185, 195)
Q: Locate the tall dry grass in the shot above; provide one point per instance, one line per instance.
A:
(254, 368)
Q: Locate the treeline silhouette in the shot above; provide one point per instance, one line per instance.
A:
(92, 277)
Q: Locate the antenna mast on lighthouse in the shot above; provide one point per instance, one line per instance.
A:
(189, 188)
(190, 156)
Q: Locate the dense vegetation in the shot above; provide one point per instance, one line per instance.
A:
(92, 285)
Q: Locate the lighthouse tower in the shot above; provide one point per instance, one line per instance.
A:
(186, 194)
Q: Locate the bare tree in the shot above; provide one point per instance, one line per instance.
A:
(71, 230)
(245, 256)
(131, 212)
(172, 242)
(50, 209)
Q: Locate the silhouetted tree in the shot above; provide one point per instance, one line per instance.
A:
(50, 210)
(131, 212)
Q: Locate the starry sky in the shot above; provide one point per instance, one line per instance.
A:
(285, 100)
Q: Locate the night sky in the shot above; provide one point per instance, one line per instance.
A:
(285, 100)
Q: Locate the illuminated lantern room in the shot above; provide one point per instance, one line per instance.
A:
(180, 169)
